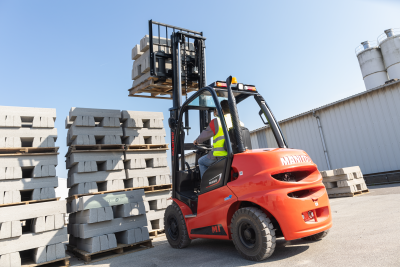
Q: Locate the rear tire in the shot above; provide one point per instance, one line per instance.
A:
(253, 234)
(316, 237)
(175, 227)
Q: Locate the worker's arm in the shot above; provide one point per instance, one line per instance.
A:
(209, 132)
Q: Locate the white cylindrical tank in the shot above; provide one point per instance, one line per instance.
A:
(390, 47)
(371, 64)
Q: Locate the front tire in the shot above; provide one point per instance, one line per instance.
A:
(253, 234)
(316, 237)
(175, 227)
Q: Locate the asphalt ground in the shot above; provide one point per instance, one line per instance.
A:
(365, 232)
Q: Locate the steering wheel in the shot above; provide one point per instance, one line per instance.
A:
(203, 147)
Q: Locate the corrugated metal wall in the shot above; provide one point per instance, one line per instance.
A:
(363, 130)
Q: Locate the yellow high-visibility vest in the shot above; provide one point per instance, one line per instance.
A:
(219, 141)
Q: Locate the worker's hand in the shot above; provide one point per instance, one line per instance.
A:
(195, 142)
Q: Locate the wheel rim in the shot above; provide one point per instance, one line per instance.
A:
(173, 229)
(247, 235)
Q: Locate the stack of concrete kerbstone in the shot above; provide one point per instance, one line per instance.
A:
(95, 156)
(147, 165)
(344, 182)
(100, 222)
(28, 176)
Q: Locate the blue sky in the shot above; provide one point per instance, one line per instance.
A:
(299, 54)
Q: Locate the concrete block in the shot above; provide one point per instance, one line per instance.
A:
(154, 215)
(5, 230)
(28, 161)
(59, 221)
(5, 260)
(107, 200)
(16, 228)
(134, 136)
(151, 159)
(29, 183)
(109, 227)
(129, 209)
(145, 233)
(103, 242)
(49, 223)
(96, 113)
(39, 225)
(90, 245)
(39, 255)
(146, 206)
(10, 173)
(136, 52)
(346, 170)
(26, 112)
(83, 188)
(110, 122)
(148, 172)
(126, 237)
(60, 251)
(99, 156)
(347, 176)
(101, 176)
(32, 240)
(41, 137)
(112, 241)
(111, 185)
(51, 253)
(140, 119)
(350, 182)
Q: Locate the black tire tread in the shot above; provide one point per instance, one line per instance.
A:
(268, 232)
(316, 237)
(184, 236)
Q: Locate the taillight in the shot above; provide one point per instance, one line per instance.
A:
(220, 84)
(249, 88)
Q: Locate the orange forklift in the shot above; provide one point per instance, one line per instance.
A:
(251, 196)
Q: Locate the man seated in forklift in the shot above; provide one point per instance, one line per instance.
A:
(214, 130)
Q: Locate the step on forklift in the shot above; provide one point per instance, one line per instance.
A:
(251, 196)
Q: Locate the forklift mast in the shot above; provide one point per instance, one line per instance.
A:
(187, 56)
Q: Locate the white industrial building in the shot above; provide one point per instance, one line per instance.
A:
(360, 130)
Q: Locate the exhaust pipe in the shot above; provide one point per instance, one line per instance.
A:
(235, 117)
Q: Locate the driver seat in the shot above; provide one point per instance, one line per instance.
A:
(213, 177)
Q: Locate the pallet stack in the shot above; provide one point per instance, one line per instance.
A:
(95, 154)
(146, 162)
(344, 182)
(107, 222)
(31, 219)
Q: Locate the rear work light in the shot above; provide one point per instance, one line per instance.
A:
(250, 88)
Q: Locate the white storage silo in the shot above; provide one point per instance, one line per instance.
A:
(371, 64)
(390, 47)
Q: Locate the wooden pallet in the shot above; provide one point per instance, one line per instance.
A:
(30, 202)
(64, 262)
(359, 193)
(158, 89)
(158, 232)
(20, 151)
(121, 249)
(147, 189)
(94, 148)
(146, 147)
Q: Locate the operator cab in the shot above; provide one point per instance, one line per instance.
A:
(188, 184)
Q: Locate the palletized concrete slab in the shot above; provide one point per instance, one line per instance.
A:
(129, 209)
(347, 176)
(101, 176)
(92, 215)
(141, 119)
(136, 52)
(145, 159)
(31, 241)
(132, 236)
(24, 212)
(153, 215)
(83, 188)
(106, 200)
(109, 227)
